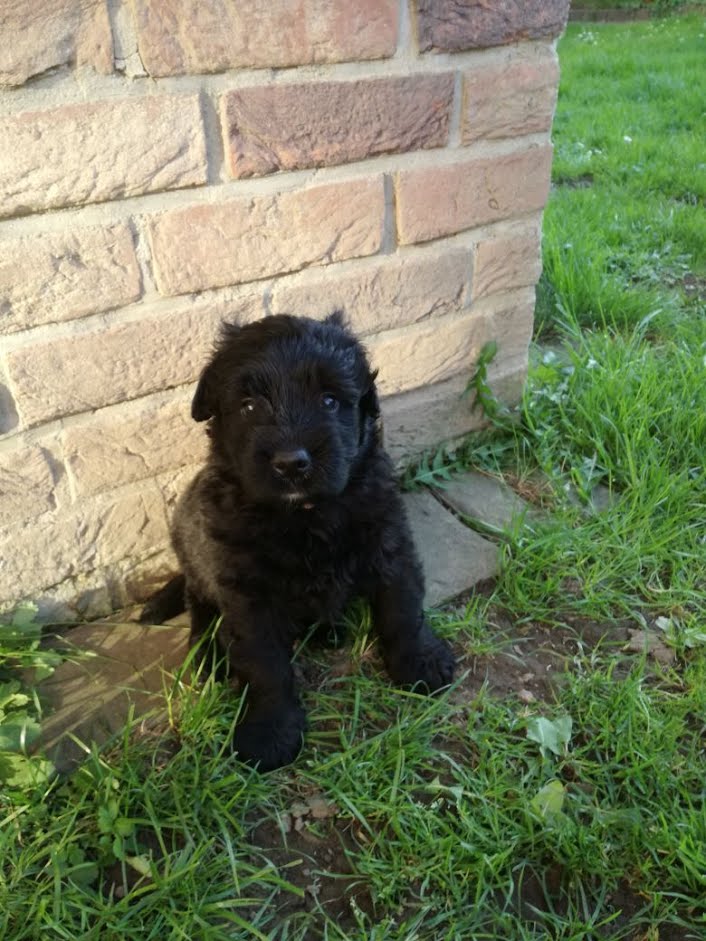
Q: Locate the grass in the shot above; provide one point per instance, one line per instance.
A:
(629, 171)
(575, 813)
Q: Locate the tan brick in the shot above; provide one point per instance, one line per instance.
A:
(503, 263)
(511, 99)
(112, 449)
(87, 153)
(107, 365)
(41, 34)
(507, 320)
(439, 201)
(380, 294)
(188, 36)
(9, 418)
(57, 277)
(62, 545)
(286, 127)
(26, 483)
(426, 353)
(421, 418)
(245, 239)
(455, 25)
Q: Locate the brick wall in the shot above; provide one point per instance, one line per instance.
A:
(168, 163)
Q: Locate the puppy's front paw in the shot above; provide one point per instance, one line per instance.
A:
(270, 739)
(427, 662)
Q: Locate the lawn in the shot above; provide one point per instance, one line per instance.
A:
(558, 790)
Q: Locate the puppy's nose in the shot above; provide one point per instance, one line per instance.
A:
(291, 463)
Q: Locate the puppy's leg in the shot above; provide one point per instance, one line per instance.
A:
(203, 615)
(255, 640)
(412, 653)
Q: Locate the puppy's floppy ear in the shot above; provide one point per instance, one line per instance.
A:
(203, 405)
(205, 401)
(337, 318)
(369, 404)
(369, 409)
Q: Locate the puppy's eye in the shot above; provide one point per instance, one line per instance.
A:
(329, 402)
(247, 407)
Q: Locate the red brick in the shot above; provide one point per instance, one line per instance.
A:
(214, 245)
(511, 99)
(285, 127)
(49, 278)
(87, 153)
(41, 34)
(190, 36)
(87, 371)
(455, 25)
(439, 201)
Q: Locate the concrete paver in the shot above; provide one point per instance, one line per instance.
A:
(454, 557)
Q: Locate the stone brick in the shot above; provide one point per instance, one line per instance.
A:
(56, 277)
(187, 36)
(503, 263)
(41, 34)
(438, 201)
(245, 239)
(380, 294)
(420, 419)
(113, 449)
(92, 698)
(60, 545)
(426, 353)
(26, 484)
(286, 127)
(510, 99)
(507, 320)
(87, 153)
(454, 558)
(124, 361)
(484, 499)
(455, 25)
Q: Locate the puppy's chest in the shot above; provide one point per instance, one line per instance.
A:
(316, 568)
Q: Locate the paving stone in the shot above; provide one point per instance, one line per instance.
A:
(484, 499)
(116, 666)
(454, 557)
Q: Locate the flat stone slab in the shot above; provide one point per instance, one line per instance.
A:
(115, 666)
(484, 499)
(454, 557)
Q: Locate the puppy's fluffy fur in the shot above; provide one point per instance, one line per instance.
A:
(295, 513)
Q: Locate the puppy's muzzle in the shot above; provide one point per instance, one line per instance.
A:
(292, 465)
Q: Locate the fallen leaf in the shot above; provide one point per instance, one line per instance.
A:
(551, 736)
(647, 641)
(549, 800)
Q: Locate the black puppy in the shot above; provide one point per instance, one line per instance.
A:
(295, 513)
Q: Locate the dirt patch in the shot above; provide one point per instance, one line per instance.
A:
(313, 858)
(693, 286)
(582, 182)
(534, 657)
(536, 895)
(587, 15)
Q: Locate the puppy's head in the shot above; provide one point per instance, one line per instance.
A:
(292, 404)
